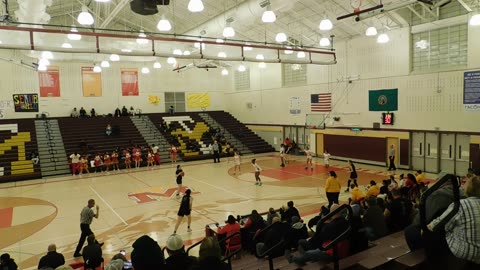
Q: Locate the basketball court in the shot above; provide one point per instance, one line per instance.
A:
(142, 201)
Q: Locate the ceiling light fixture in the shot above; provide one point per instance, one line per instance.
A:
(260, 57)
(242, 68)
(145, 70)
(177, 52)
(85, 18)
(42, 68)
(141, 40)
(171, 60)
(47, 55)
(324, 42)
(97, 69)
(228, 31)
(281, 37)
(105, 64)
(164, 25)
(475, 20)
(157, 65)
(186, 53)
(66, 45)
(195, 5)
(224, 72)
(268, 16)
(72, 35)
(325, 25)
(222, 54)
(114, 58)
(371, 31)
(301, 54)
(383, 38)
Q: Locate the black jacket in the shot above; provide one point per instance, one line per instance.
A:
(92, 255)
(53, 260)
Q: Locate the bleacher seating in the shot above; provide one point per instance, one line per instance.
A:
(244, 134)
(17, 141)
(92, 131)
(185, 128)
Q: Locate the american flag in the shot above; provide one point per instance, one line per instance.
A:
(321, 102)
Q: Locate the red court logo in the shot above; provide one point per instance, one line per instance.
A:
(155, 193)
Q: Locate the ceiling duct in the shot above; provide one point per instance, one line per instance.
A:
(33, 11)
(147, 7)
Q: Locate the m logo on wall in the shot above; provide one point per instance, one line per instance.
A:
(25, 102)
(383, 100)
(91, 82)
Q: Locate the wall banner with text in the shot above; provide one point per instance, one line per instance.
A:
(91, 82)
(49, 82)
(129, 81)
(25, 102)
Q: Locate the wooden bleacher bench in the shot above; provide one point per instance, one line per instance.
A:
(412, 260)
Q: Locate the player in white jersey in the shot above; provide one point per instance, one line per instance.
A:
(282, 155)
(326, 158)
(309, 158)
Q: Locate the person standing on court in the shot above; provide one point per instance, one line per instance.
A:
(391, 158)
(179, 174)
(86, 217)
(332, 188)
(185, 210)
(216, 151)
(258, 181)
(353, 175)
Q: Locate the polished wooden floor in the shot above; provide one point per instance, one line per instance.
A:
(35, 213)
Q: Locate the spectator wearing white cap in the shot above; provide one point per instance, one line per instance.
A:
(178, 258)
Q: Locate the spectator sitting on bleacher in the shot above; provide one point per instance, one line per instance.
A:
(93, 113)
(435, 205)
(34, 157)
(254, 223)
(355, 194)
(74, 113)
(273, 235)
(209, 256)
(53, 259)
(310, 249)
(271, 214)
(163, 126)
(398, 212)
(108, 130)
(323, 212)
(124, 111)
(117, 113)
(83, 112)
(131, 112)
(298, 230)
(230, 228)
(92, 253)
(178, 259)
(374, 220)
(7, 263)
(147, 254)
(462, 231)
(288, 212)
(373, 189)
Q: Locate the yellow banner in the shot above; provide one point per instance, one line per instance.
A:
(91, 82)
(198, 100)
(152, 99)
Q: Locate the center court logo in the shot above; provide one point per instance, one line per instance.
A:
(152, 194)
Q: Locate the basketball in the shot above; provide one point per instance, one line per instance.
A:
(182, 174)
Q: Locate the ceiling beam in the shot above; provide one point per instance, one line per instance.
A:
(425, 7)
(416, 13)
(114, 13)
(465, 5)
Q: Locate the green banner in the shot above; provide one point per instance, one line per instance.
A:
(385, 100)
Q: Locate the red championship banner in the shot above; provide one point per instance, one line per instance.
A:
(129, 81)
(49, 82)
(91, 82)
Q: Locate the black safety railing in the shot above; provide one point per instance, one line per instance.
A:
(455, 182)
(269, 252)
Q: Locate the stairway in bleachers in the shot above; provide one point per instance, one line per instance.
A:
(241, 132)
(152, 135)
(237, 144)
(51, 151)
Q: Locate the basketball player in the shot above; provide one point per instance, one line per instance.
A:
(237, 160)
(309, 158)
(179, 173)
(185, 210)
(258, 181)
(173, 153)
(282, 155)
(353, 175)
(326, 158)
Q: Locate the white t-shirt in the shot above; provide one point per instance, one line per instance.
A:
(236, 159)
(257, 168)
(75, 158)
(326, 157)
(155, 149)
(309, 154)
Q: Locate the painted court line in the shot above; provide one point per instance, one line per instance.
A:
(108, 205)
(222, 189)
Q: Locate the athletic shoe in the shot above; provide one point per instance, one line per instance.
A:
(256, 183)
(189, 230)
(347, 190)
(260, 183)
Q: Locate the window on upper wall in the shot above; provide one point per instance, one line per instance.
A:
(175, 99)
(294, 74)
(242, 80)
(452, 9)
(440, 49)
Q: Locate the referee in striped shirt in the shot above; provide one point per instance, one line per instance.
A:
(86, 217)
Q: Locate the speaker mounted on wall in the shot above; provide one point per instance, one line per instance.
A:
(376, 125)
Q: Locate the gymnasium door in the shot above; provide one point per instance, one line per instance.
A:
(418, 151)
(431, 152)
(462, 156)
(475, 156)
(447, 162)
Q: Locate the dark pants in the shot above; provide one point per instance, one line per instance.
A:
(216, 156)
(354, 181)
(392, 163)
(413, 237)
(332, 198)
(85, 228)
